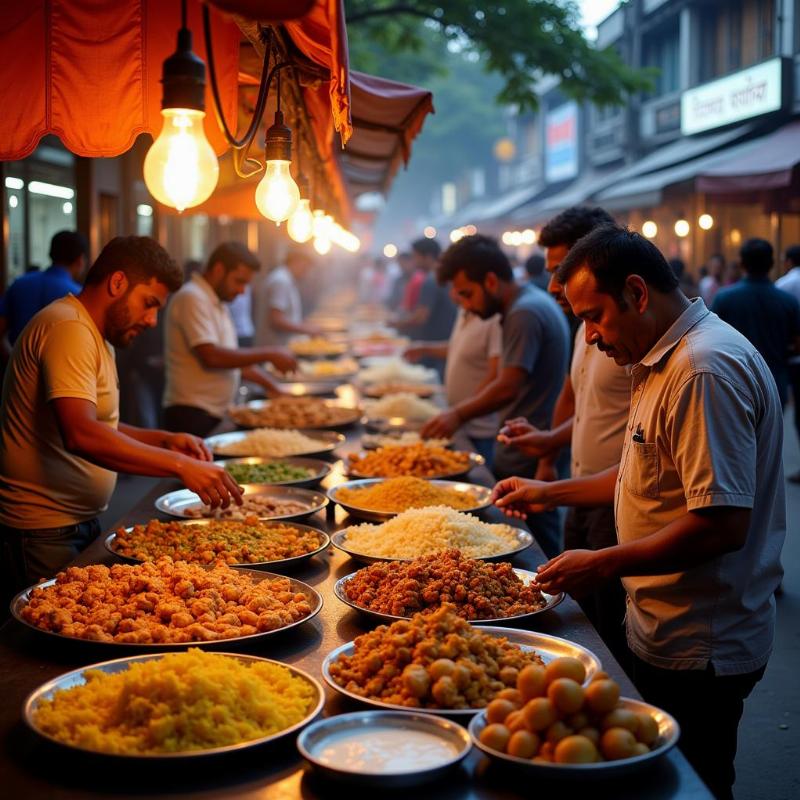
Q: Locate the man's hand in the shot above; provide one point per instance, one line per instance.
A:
(526, 438)
(211, 483)
(414, 354)
(575, 571)
(189, 445)
(442, 426)
(282, 359)
(518, 497)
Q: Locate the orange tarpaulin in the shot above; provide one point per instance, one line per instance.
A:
(89, 72)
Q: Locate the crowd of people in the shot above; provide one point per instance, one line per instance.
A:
(600, 380)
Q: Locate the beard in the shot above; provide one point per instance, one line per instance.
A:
(119, 330)
(491, 306)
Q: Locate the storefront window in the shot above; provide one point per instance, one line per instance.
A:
(52, 209)
(15, 214)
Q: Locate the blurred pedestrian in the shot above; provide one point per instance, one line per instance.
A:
(711, 282)
(766, 315)
(534, 268)
(685, 280)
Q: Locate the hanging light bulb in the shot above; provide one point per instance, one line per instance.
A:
(323, 224)
(277, 194)
(181, 168)
(322, 245)
(300, 225)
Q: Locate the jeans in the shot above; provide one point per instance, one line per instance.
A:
(703, 703)
(28, 556)
(189, 419)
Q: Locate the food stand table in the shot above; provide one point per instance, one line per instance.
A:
(32, 768)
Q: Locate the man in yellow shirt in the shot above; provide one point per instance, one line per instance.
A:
(61, 442)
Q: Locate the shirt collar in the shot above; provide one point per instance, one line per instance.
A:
(60, 269)
(206, 287)
(683, 324)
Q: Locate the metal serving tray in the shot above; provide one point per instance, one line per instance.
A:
(260, 405)
(328, 442)
(475, 460)
(320, 469)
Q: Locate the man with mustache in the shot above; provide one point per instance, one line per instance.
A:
(61, 442)
(532, 364)
(698, 494)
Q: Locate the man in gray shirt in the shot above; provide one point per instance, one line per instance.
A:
(533, 361)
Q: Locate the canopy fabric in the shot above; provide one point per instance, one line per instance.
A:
(89, 72)
(763, 164)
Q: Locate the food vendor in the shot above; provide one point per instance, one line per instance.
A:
(699, 498)
(204, 361)
(61, 442)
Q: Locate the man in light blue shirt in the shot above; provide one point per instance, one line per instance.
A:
(31, 292)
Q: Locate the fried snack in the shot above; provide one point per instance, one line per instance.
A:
(435, 660)
(253, 505)
(317, 346)
(420, 460)
(423, 531)
(477, 589)
(162, 602)
(274, 472)
(403, 404)
(269, 442)
(247, 542)
(178, 703)
(395, 369)
(293, 412)
(328, 368)
(400, 494)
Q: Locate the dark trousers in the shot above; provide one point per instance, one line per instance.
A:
(189, 419)
(794, 379)
(28, 556)
(708, 708)
(594, 529)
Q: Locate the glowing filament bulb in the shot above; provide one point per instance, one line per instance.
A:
(277, 194)
(300, 225)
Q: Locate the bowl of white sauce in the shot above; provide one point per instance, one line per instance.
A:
(383, 748)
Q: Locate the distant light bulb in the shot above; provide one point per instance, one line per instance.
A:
(528, 236)
(649, 229)
(323, 224)
(277, 194)
(430, 232)
(682, 228)
(181, 168)
(300, 225)
(706, 222)
(322, 245)
(13, 201)
(390, 250)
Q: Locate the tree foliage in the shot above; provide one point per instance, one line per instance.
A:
(521, 41)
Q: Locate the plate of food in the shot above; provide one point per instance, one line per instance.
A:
(384, 748)
(441, 664)
(379, 499)
(259, 501)
(619, 735)
(392, 438)
(423, 531)
(165, 604)
(274, 443)
(250, 543)
(395, 369)
(491, 593)
(378, 390)
(110, 708)
(420, 460)
(292, 471)
(299, 413)
(404, 409)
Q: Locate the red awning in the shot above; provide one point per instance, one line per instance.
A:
(89, 72)
(762, 164)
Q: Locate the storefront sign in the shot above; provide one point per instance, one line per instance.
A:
(749, 93)
(561, 143)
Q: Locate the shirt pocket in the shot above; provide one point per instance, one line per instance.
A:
(641, 471)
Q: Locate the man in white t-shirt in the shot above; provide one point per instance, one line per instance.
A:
(204, 363)
(277, 306)
(473, 354)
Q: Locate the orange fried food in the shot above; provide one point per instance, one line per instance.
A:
(420, 460)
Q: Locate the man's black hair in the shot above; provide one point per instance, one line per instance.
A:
(476, 256)
(535, 265)
(612, 253)
(67, 246)
(793, 255)
(757, 256)
(230, 255)
(573, 224)
(427, 247)
(140, 258)
(678, 267)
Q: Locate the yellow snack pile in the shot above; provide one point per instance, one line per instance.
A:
(181, 702)
(399, 494)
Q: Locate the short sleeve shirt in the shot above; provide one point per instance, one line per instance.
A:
(278, 291)
(441, 312)
(473, 343)
(602, 392)
(195, 316)
(61, 353)
(535, 340)
(705, 429)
